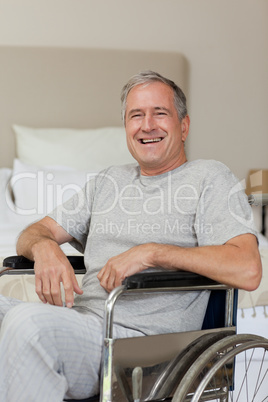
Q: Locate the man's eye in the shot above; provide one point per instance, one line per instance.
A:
(136, 115)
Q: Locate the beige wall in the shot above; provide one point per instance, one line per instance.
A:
(225, 43)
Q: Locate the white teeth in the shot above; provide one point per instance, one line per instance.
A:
(145, 141)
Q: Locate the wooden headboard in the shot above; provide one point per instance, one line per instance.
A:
(70, 88)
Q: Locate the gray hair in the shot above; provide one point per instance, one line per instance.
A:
(149, 76)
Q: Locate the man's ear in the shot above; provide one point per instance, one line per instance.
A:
(185, 126)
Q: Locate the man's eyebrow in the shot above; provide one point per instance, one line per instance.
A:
(138, 110)
(133, 111)
(162, 108)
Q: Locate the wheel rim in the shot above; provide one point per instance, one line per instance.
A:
(238, 345)
(244, 390)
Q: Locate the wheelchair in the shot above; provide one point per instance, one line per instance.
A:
(187, 366)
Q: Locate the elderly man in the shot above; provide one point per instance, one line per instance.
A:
(163, 213)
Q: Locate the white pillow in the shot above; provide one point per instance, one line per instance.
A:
(90, 150)
(37, 190)
(8, 215)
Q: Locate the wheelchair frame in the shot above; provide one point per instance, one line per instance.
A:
(198, 360)
(175, 344)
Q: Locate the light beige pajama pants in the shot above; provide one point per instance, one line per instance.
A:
(48, 352)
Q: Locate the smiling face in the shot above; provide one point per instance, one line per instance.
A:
(155, 135)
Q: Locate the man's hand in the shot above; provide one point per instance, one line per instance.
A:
(52, 268)
(130, 262)
(40, 243)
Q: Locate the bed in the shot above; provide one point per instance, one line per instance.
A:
(51, 96)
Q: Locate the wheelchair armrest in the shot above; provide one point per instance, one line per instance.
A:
(18, 262)
(167, 279)
(157, 282)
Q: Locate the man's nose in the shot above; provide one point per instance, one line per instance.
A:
(148, 123)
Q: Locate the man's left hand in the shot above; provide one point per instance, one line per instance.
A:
(126, 264)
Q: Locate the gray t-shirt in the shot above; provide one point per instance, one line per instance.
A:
(197, 204)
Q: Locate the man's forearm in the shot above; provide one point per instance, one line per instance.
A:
(237, 263)
(31, 237)
(42, 232)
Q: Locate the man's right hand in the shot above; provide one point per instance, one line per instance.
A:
(52, 268)
(40, 243)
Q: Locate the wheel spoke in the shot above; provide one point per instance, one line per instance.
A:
(213, 371)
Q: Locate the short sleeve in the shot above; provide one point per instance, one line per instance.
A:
(223, 210)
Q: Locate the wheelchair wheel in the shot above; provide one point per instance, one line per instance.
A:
(233, 369)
